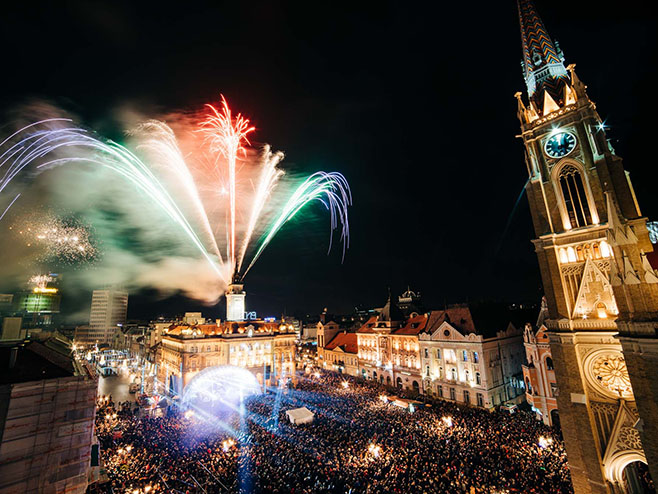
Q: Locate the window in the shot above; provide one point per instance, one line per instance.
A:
(467, 397)
(438, 353)
(549, 363)
(440, 390)
(478, 378)
(476, 357)
(480, 399)
(453, 374)
(427, 353)
(452, 394)
(575, 199)
(464, 355)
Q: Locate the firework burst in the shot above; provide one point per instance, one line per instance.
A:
(63, 240)
(245, 201)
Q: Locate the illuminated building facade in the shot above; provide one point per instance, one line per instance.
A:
(601, 289)
(441, 354)
(39, 305)
(539, 371)
(341, 354)
(267, 349)
(235, 302)
(463, 362)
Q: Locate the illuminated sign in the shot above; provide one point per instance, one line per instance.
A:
(45, 290)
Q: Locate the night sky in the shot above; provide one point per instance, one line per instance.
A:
(412, 103)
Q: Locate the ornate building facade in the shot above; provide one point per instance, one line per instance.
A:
(539, 372)
(442, 354)
(265, 348)
(601, 290)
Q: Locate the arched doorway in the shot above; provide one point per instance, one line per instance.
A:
(416, 386)
(374, 376)
(636, 479)
(388, 380)
(629, 474)
(555, 418)
(399, 382)
(381, 378)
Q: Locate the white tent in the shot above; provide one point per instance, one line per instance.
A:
(300, 416)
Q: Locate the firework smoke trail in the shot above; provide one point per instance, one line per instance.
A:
(159, 140)
(42, 143)
(226, 136)
(332, 190)
(267, 181)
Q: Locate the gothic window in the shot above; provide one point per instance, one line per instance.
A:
(605, 249)
(574, 196)
(579, 253)
(596, 250)
(571, 254)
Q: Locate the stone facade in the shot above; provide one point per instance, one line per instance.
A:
(600, 287)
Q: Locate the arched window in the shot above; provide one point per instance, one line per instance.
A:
(549, 363)
(563, 256)
(596, 250)
(571, 254)
(575, 198)
(605, 249)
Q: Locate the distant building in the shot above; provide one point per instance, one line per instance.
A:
(47, 409)
(265, 348)
(39, 305)
(108, 311)
(341, 354)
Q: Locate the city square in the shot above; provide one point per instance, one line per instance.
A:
(446, 283)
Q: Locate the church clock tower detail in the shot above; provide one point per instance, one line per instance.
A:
(601, 290)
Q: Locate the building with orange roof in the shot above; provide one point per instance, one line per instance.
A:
(266, 348)
(341, 354)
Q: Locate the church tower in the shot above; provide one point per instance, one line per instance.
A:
(602, 293)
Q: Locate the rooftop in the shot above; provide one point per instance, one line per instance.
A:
(35, 361)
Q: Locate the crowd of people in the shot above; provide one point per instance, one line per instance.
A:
(357, 443)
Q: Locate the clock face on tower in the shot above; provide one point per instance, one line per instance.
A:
(560, 144)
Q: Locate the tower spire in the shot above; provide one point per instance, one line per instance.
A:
(543, 61)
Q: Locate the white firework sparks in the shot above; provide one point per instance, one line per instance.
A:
(65, 240)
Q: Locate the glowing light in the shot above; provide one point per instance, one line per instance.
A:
(447, 421)
(374, 450)
(345, 384)
(225, 385)
(383, 398)
(221, 163)
(227, 444)
(544, 442)
(44, 290)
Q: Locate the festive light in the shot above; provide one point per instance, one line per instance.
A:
(242, 181)
(545, 442)
(374, 450)
(447, 421)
